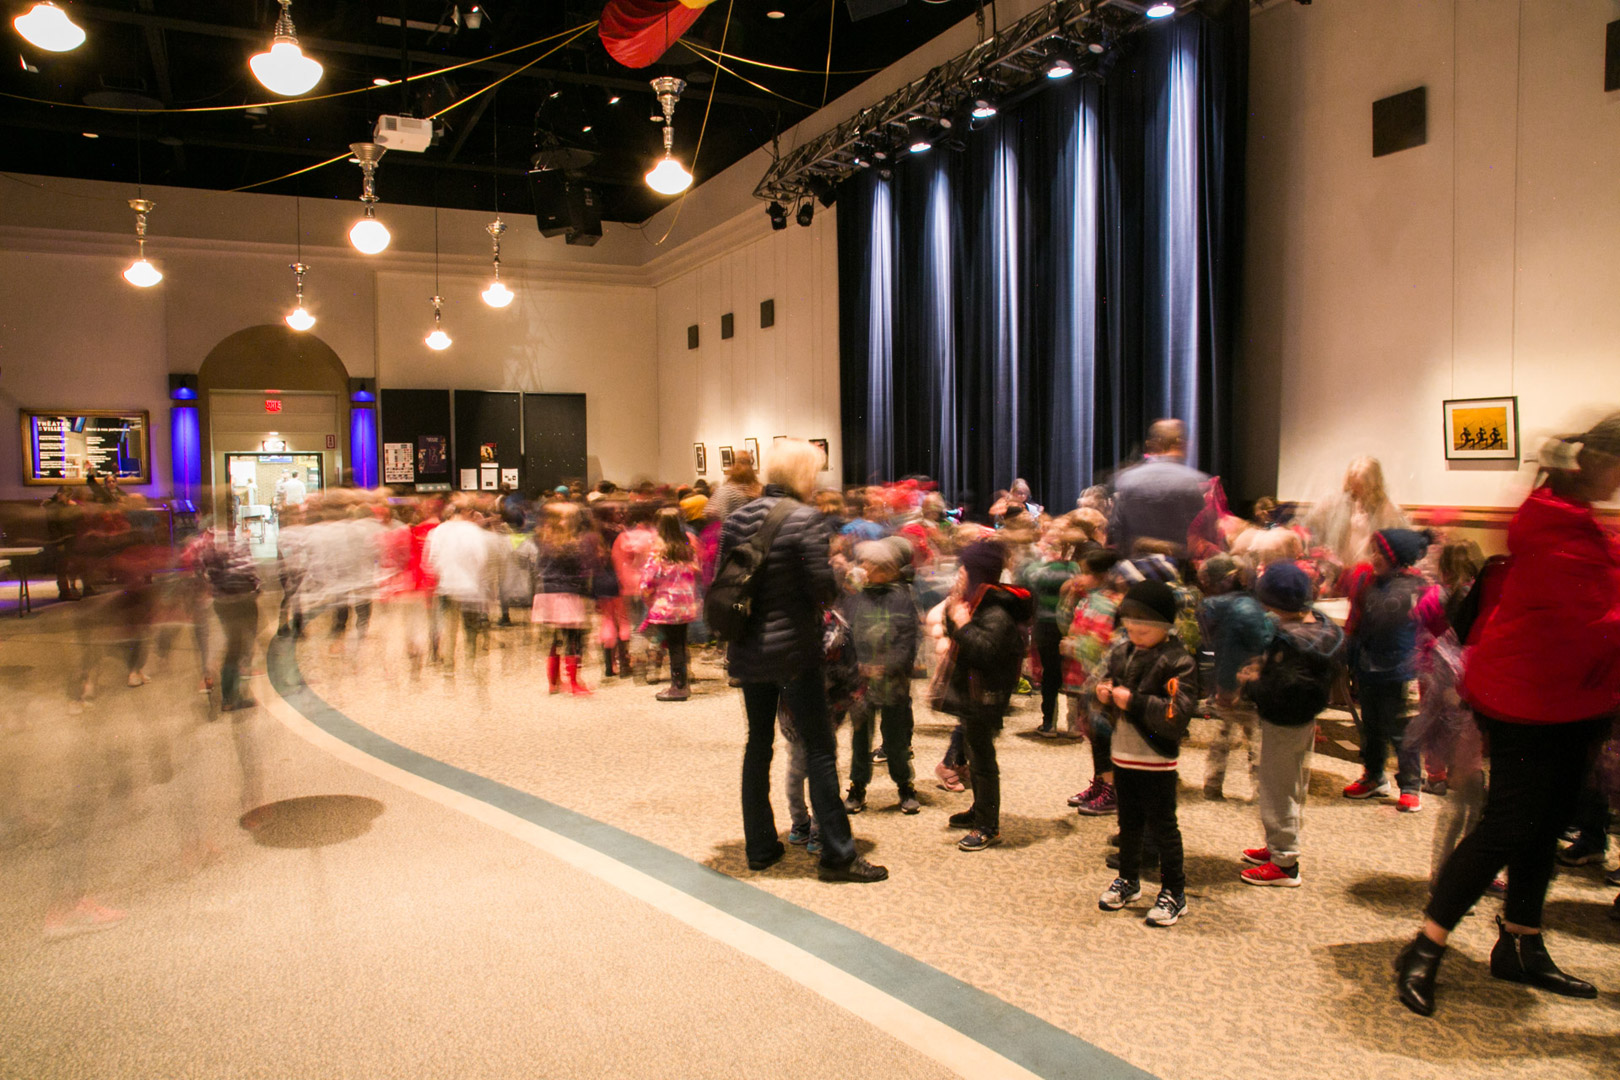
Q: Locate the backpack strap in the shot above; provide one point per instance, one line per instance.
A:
(762, 540)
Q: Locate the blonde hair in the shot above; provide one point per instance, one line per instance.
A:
(795, 464)
(1371, 475)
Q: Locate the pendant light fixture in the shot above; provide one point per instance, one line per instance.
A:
(497, 295)
(298, 318)
(669, 176)
(369, 236)
(48, 27)
(140, 273)
(437, 340)
(285, 70)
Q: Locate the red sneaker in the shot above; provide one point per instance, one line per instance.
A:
(1257, 856)
(1411, 802)
(1366, 789)
(1271, 874)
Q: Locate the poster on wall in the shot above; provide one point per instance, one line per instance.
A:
(726, 458)
(509, 477)
(752, 446)
(399, 463)
(431, 457)
(1482, 429)
(700, 457)
(487, 452)
(469, 479)
(71, 447)
(489, 477)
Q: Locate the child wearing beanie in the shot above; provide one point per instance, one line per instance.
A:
(1289, 684)
(1382, 629)
(1146, 690)
(883, 623)
(1237, 631)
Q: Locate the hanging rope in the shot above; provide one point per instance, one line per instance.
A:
(701, 54)
(696, 46)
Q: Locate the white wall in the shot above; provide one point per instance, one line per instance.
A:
(761, 382)
(1483, 263)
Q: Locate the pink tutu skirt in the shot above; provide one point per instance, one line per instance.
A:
(559, 609)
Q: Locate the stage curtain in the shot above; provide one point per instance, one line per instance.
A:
(1027, 305)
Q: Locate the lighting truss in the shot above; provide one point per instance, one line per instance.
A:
(1006, 66)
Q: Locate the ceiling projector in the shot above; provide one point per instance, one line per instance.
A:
(403, 133)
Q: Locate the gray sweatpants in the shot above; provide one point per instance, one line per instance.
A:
(1285, 780)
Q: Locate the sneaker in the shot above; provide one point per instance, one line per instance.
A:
(1120, 893)
(1436, 786)
(814, 846)
(859, 871)
(909, 804)
(1167, 909)
(964, 820)
(800, 835)
(1024, 686)
(1270, 873)
(1411, 802)
(855, 801)
(949, 779)
(1257, 856)
(1366, 788)
(879, 756)
(85, 917)
(978, 840)
(1579, 854)
(1047, 731)
(1103, 802)
(1081, 796)
(1497, 887)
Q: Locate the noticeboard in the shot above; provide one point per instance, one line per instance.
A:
(62, 447)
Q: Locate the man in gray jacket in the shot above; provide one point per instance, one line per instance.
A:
(1159, 498)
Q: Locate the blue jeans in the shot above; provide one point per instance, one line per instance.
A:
(1383, 725)
(805, 696)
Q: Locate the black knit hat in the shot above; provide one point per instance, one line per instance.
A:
(1150, 601)
(983, 561)
(1402, 547)
(1284, 586)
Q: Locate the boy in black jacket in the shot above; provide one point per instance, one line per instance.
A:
(1147, 688)
(883, 621)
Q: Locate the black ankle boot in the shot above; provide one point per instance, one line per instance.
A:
(607, 662)
(1415, 970)
(1523, 958)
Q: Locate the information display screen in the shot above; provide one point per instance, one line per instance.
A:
(69, 448)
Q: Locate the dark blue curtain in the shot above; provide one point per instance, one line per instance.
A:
(1026, 307)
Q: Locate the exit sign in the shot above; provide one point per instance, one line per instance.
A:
(272, 404)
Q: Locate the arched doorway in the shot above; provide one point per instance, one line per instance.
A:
(272, 392)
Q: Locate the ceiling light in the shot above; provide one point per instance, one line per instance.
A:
(382, 82)
(497, 295)
(1096, 48)
(438, 340)
(91, 135)
(1059, 68)
(920, 146)
(778, 215)
(614, 100)
(285, 70)
(669, 176)
(586, 130)
(298, 318)
(369, 236)
(983, 109)
(1161, 11)
(776, 14)
(47, 27)
(141, 273)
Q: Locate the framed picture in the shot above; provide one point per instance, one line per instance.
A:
(826, 453)
(70, 447)
(1482, 429)
(725, 458)
(752, 446)
(700, 458)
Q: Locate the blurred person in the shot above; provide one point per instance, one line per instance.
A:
(669, 588)
(461, 557)
(872, 524)
(1238, 631)
(1544, 679)
(778, 659)
(741, 487)
(884, 628)
(1160, 497)
(562, 563)
(233, 578)
(1050, 567)
(1088, 635)
(607, 594)
(1344, 524)
(630, 553)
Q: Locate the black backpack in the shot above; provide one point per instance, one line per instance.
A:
(730, 601)
(1302, 663)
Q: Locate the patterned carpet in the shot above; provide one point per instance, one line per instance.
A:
(1294, 981)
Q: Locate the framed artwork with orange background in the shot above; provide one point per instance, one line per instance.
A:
(1482, 429)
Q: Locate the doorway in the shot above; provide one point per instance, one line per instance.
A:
(262, 486)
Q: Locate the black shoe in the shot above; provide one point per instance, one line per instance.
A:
(859, 871)
(855, 801)
(1415, 969)
(769, 861)
(1522, 958)
(1581, 853)
(964, 820)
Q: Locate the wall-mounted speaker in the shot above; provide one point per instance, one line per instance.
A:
(691, 337)
(1400, 122)
(182, 387)
(767, 313)
(1611, 59)
(728, 325)
(566, 207)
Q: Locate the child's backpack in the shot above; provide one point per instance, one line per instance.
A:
(1301, 665)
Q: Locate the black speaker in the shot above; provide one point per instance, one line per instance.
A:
(767, 313)
(565, 206)
(1611, 59)
(1400, 122)
(362, 389)
(182, 387)
(728, 325)
(691, 337)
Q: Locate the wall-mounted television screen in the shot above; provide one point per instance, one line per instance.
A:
(70, 447)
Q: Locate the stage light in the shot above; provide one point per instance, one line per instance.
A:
(778, 215)
(140, 273)
(776, 14)
(1059, 68)
(983, 109)
(1161, 11)
(614, 100)
(807, 211)
(369, 236)
(285, 70)
(919, 146)
(48, 27)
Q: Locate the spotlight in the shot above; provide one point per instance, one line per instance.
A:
(807, 210)
(614, 100)
(1161, 10)
(1059, 68)
(778, 214)
(983, 108)
(920, 145)
(823, 189)
(885, 173)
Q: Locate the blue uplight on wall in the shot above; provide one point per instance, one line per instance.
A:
(363, 445)
(185, 442)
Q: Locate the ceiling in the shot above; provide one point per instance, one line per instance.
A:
(159, 56)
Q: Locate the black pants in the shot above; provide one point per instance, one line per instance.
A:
(1102, 743)
(805, 697)
(1047, 639)
(896, 725)
(1147, 805)
(1383, 725)
(980, 726)
(1535, 780)
(239, 617)
(340, 617)
(674, 635)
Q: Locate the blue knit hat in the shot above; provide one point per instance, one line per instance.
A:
(1284, 586)
(1402, 547)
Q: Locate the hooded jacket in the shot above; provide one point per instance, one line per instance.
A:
(783, 636)
(1549, 652)
(989, 650)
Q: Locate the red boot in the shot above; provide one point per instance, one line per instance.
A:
(571, 663)
(554, 672)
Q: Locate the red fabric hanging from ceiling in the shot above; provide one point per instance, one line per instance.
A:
(637, 32)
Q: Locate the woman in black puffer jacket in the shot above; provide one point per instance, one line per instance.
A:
(778, 660)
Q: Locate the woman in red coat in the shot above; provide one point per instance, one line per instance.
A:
(1544, 680)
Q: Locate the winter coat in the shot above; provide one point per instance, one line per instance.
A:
(988, 652)
(565, 568)
(1045, 579)
(1161, 681)
(884, 623)
(1383, 625)
(1087, 638)
(670, 589)
(1549, 653)
(1236, 629)
(783, 636)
